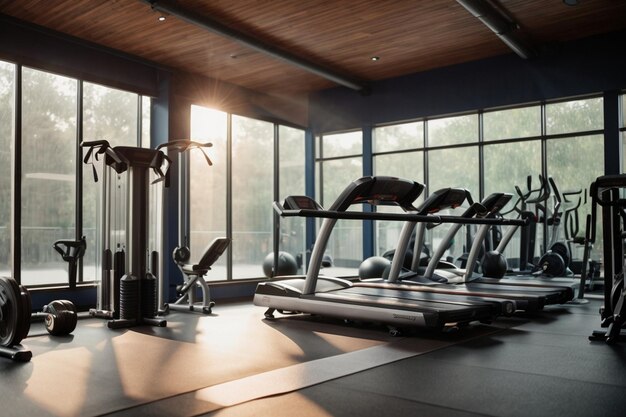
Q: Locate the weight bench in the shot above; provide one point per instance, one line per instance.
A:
(193, 276)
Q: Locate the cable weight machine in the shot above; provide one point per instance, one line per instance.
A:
(127, 291)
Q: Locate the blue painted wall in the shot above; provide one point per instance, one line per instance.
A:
(591, 65)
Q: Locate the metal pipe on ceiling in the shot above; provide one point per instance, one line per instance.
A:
(502, 26)
(172, 8)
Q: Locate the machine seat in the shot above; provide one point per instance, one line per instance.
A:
(211, 254)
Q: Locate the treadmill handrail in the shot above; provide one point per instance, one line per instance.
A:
(357, 215)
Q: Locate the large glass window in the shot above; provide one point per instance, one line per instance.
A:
(574, 116)
(341, 144)
(345, 246)
(146, 103)
(252, 193)
(565, 159)
(207, 185)
(7, 117)
(108, 114)
(567, 156)
(346, 242)
(291, 182)
(398, 137)
(623, 129)
(511, 142)
(48, 173)
(457, 168)
(623, 150)
(409, 165)
(49, 164)
(253, 171)
(507, 165)
(453, 130)
(454, 167)
(512, 123)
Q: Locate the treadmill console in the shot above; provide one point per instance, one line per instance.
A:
(301, 202)
(443, 199)
(379, 190)
(494, 202)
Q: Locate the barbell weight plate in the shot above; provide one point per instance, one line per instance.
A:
(27, 309)
(12, 320)
(552, 264)
(561, 249)
(70, 321)
(69, 306)
(616, 291)
(59, 305)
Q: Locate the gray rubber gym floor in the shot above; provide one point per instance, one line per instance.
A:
(234, 363)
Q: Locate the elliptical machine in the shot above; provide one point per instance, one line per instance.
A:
(556, 260)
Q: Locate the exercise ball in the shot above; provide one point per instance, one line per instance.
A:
(373, 267)
(408, 257)
(286, 264)
(494, 264)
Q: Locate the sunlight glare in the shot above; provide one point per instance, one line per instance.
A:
(207, 123)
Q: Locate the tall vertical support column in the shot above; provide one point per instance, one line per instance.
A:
(368, 170)
(612, 143)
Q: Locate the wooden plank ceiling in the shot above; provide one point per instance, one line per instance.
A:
(408, 35)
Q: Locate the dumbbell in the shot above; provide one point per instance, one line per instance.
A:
(60, 317)
(15, 317)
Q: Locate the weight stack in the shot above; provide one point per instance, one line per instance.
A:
(129, 297)
(149, 296)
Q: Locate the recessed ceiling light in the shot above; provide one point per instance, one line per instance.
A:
(161, 18)
(375, 58)
(571, 2)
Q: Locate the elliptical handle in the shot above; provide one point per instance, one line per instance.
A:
(543, 190)
(557, 194)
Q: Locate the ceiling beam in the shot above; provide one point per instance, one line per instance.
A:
(172, 8)
(503, 26)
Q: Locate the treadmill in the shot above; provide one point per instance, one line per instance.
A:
(548, 293)
(393, 304)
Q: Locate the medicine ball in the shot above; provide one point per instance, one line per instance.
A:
(373, 267)
(494, 264)
(286, 264)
